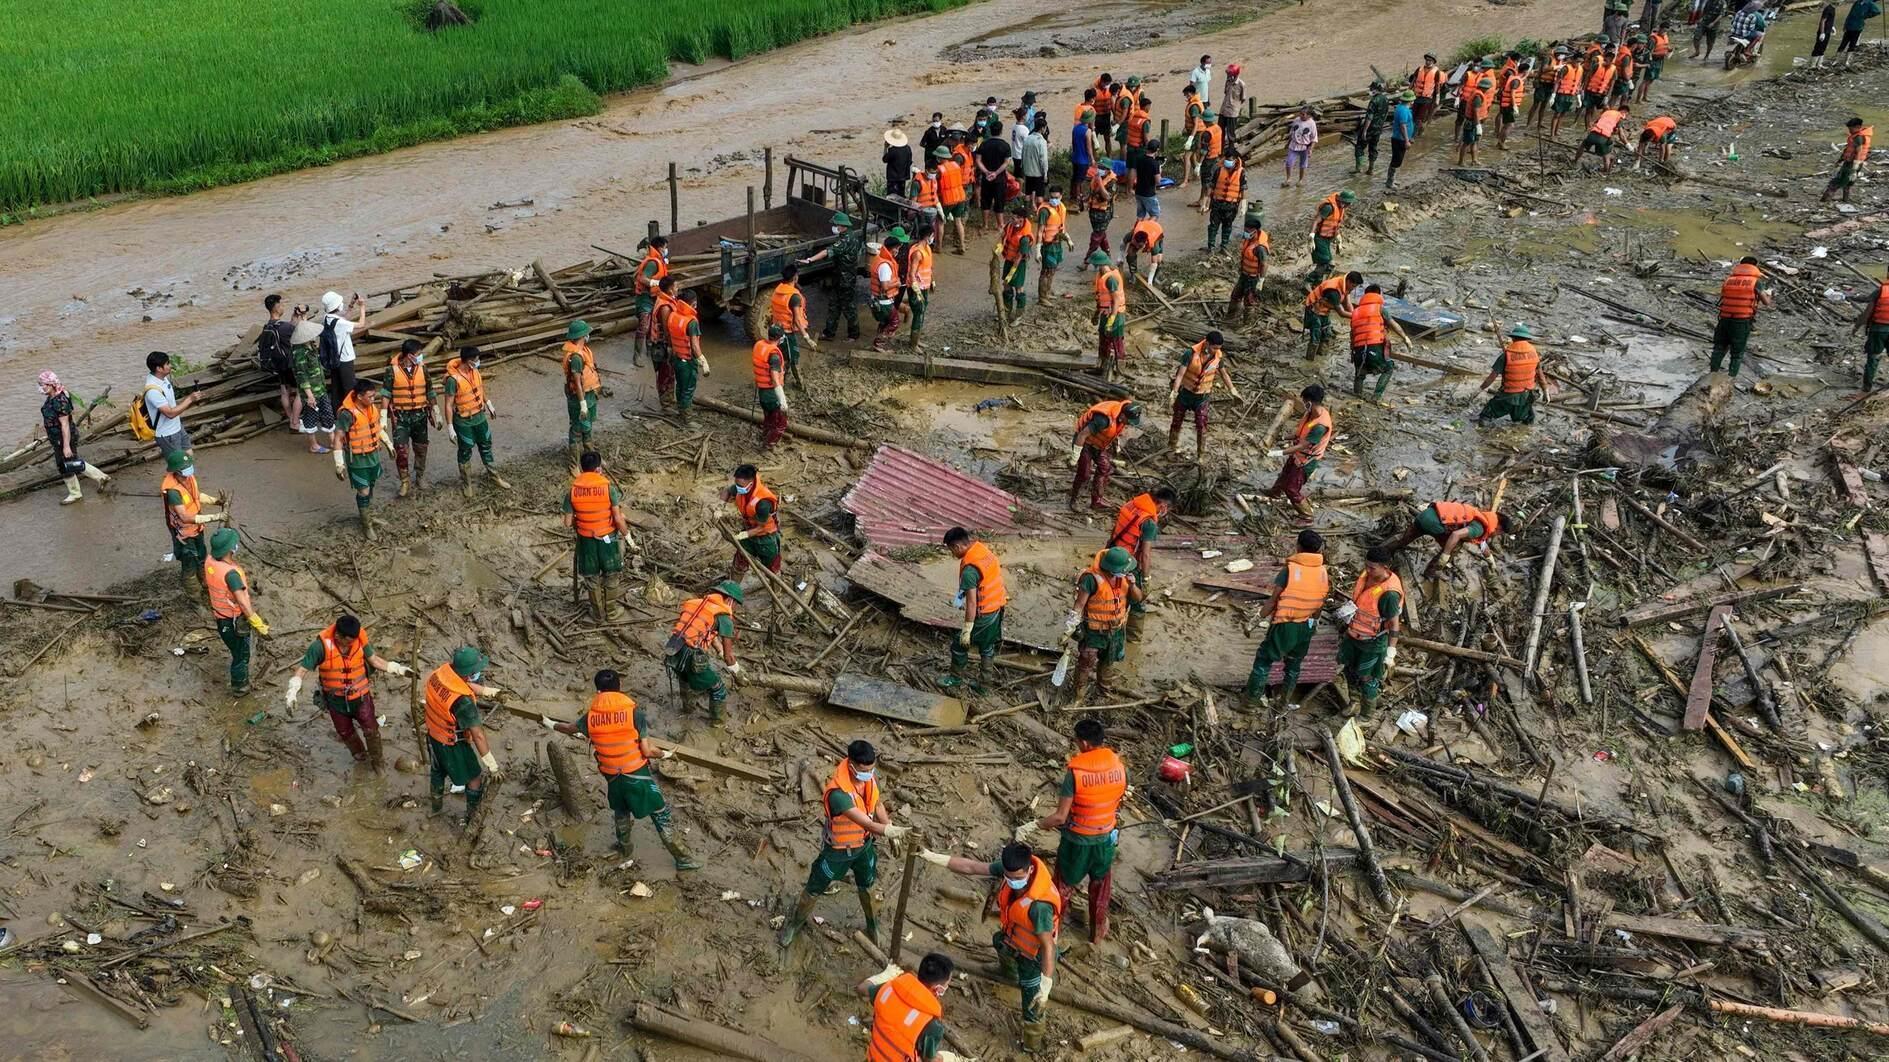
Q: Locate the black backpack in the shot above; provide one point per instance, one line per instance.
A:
(330, 350)
(271, 352)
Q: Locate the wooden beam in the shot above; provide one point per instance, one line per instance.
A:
(1634, 1042)
(1699, 693)
(1646, 614)
(1521, 1001)
(891, 700)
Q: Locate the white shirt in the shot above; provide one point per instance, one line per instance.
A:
(1202, 77)
(161, 393)
(344, 336)
(885, 272)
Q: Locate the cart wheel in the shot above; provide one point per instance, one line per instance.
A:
(708, 304)
(759, 313)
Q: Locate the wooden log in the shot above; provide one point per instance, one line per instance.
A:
(905, 896)
(833, 438)
(537, 266)
(1767, 702)
(566, 777)
(1440, 999)
(1663, 524)
(1366, 855)
(891, 700)
(1699, 693)
(1806, 1018)
(1634, 1042)
(1544, 587)
(716, 1039)
(1657, 613)
(701, 758)
(1521, 1001)
(90, 988)
(1445, 649)
(1579, 642)
(813, 687)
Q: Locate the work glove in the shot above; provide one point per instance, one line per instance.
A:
(207, 499)
(341, 471)
(295, 690)
(665, 754)
(206, 518)
(1390, 656)
(398, 669)
(964, 634)
(488, 691)
(1275, 453)
(451, 435)
(257, 624)
(1075, 454)
(1265, 625)
(1042, 993)
(1070, 621)
(938, 858)
(946, 1055)
(891, 970)
(488, 763)
(893, 831)
(1345, 611)
(743, 536)
(1026, 831)
(549, 723)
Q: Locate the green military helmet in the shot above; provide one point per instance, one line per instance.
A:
(468, 661)
(577, 330)
(841, 218)
(1347, 197)
(941, 152)
(223, 543)
(730, 589)
(1098, 258)
(1520, 331)
(176, 461)
(775, 331)
(1118, 561)
(1132, 413)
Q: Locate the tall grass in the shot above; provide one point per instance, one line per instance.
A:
(102, 96)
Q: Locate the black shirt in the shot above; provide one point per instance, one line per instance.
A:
(898, 168)
(993, 153)
(1147, 175)
(934, 136)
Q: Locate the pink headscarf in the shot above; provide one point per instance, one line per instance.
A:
(50, 379)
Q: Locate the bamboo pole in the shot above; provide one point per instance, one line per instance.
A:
(1367, 856)
(1542, 592)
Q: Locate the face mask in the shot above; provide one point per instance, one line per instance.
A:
(475, 676)
(187, 471)
(234, 549)
(1228, 164)
(1055, 200)
(739, 489)
(837, 230)
(1017, 884)
(862, 776)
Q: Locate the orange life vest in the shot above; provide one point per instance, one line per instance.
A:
(1367, 321)
(611, 725)
(1016, 903)
(1856, 149)
(1226, 183)
(182, 525)
(1738, 296)
(1016, 230)
(1328, 226)
(991, 594)
(1055, 217)
(1568, 82)
(1112, 409)
(1453, 515)
(696, 624)
(1366, 624)
(841, 832)
(681, 316)
(469, 398)
(1107, 301)
(1190, 121)
(1315, 299)
(950, 182)
(1662, 44)
(1151, 230)
(764, 356)
(1608, 121)
(1623, 67)
(223, 603)
(1519, 362)
(927, 194)
(1124, 106)
(961, 155)
(443, 688)
(1202, 366)
(901, 1009)
(1138, 123)
(409, 388)
(1308, 584)
(1084, 111)
(1512, 88)
(885, 290)
(1602, 78)
(782, 311)
(1660, 126)
(1107, 607)
(918, 261)
(1100, 782)
(1130, 518)
(1306, 424)
(592, 515)
(1252, 264)
(1547, 73)
(646, 283)
(1208, 141)
(364, 429)
(1101, 187)
(746, 504)
(1879, 315)
(343, 673)
(585, 379)
(1425, 81)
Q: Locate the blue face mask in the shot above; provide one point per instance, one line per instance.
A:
(739, 489)
(1017, 884)
(475, 676)
(187, 471)
(1228, 164)
(862, 776)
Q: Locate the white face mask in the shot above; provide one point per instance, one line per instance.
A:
(1056, 200)
(739, 489)
(862, 776)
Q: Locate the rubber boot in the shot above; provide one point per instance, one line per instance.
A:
(73, 493)
(1200, 447)
(983, 673)
(1100, 889)
(594, 590)
(798, 918)
(492, 474)
(1033, 1036)
(356, 747)
(913, 342)
(626, 838)
(609, 611)
(419, 469)
(867, 905)
(436, 800)
(374, 757)
(1043, 281)
(574, 453)
(367, 525)
(636, 349)
(465, 478)
(406, 484)
(98, 476)
(793, 374)
(685, 860)
(1357, 383)
(1080, 687)
(473, 796)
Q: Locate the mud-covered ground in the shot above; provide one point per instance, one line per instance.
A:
(132, 775)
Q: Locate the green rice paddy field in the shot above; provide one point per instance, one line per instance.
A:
(105, 96)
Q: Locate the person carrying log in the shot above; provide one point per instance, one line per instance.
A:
(593, 510)
(582, 388)
(617, 730)
(685, 353)
(184, 518)
(1518, 370)
(360, 430)
(1087, 812)
(1111, 314)
(1300, 591)
(230, 601)
(705, 626)
(758, 507)
(1030, 909)
(1327, 222)
(1091, 449)
(1453, 525)
(455, 730)
(982, 597)
(1739, 298)
(1098, 622)
(341, 657)
(854, 814)
(410, 395)
(1328, 296)
(1191, 391)
(1306, 450)
(650, 273)
(471, 425)
(1368, 649)
(908, 1011)
(1371, 329)
(1137, 525)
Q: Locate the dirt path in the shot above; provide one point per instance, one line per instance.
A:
(81, 287)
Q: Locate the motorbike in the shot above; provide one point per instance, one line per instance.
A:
(1738, 53)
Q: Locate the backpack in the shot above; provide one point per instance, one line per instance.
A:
(142, 428)
(271, 355)
(330, 349)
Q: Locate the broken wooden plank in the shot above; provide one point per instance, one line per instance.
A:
(948, 368)
(1699, 693)
(1521, 1001)
(1850, 479)
(1659, 613)
(1257, 580)
(1027, 359)
(1738, 937)
(891, 700)
(1634, 1042)
(701, 758)
(922, 601)
(1257, 870)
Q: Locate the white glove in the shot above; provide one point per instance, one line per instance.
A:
(734, 668)
(964, 634)
(489, 691)
(451, 435)
(1070, 621)
(398, 669)
(207, 499)
(295, 690)
(946, 1055)
(1075, 454)
(893, 831)
(1390, 656)
(206, 518)
(1345, 611)
(549, 723)
(1275, 453)
(1026, 830)
(891, 970)
(489, 763)
(743, 536)
(665, 754)
(340, 464)
(1264, 626)
(938, 858)
(1042, 993)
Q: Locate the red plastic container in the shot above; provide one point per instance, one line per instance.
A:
(1175, 771)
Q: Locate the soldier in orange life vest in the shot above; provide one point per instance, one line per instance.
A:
(1111, 314)
(1137, 525)
(1658, 134)
(1608, 130)
(1015, 246)
(1452, 524)
(908, 1011)
(410, 394)
(1192, 390)
(183, 501)
(582, 386)
(229, 602)
(660, 362)
(1518, 369)
(759, 509)
(854, 813)
(1327, 223)
(1255, 250)
(593, 508)
(1875, 317)
(685, 353)
(982, 596)
(1332, 293)
(1031, 909)
(1855, 152)
(649, 276)
(1371, 329)
(469, 427)
(340, 656)
(885, 285)
(1052, 234)
(1291, 618)
(1098, 435)
(619, 737)
(1427, 82)
(919, 282)
(360, 430)
(455, 730)
(1307, 449)
(1098, 623)
(1147, 238)
(705, 626)
(1369, 646)
(770, 384)
(787, 307)
(1739, 298)
(1090, 797)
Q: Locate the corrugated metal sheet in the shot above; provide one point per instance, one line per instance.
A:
(908, 499)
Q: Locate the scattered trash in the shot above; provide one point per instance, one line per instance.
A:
(1238, 566)
(1412, 721)
(641, 891)
(409, 859)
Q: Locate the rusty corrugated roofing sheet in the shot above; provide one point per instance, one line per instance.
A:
(908, 499)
